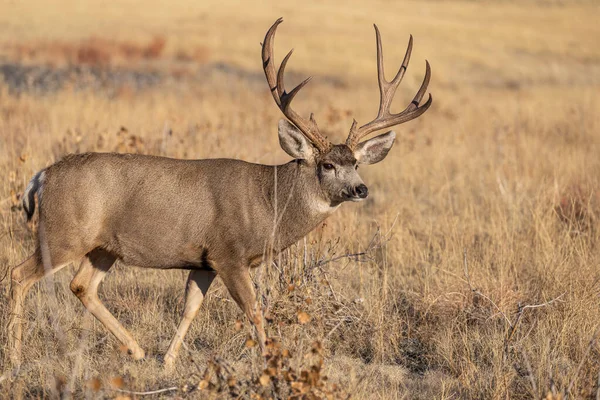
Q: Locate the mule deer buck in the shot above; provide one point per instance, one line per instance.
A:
(213, 217)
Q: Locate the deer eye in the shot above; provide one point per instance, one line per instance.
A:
(328, 166)
(356, 167)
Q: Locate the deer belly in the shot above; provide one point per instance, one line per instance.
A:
(162, 250)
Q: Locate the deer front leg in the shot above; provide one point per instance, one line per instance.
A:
(197, 285)
(241, 288)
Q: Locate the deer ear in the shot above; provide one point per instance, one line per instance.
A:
(293, 142)
(374, 150)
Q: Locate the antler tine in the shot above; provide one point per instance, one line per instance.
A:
(387, 91)
(282, 98)
(383, 84)
(400, 74)
(269, 63)
(412, 111)
(423, 88)
(280, 83)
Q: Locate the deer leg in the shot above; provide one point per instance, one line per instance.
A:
(85, 286)
(23, 277)
(241, 288)
(197, 285)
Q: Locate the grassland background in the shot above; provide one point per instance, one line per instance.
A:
(504, 168)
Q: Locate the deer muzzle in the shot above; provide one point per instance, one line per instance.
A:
(356, 193)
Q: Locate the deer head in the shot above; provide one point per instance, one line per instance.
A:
(336, 166)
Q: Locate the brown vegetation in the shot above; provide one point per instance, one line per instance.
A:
(100, 52)
(472, 271)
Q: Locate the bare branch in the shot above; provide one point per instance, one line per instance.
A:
(520, 308)
(525, 307)
(519, 314)
(170, 389)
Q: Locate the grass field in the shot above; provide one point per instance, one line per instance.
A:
(481, 272)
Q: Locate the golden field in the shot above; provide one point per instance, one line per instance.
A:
(479, 267)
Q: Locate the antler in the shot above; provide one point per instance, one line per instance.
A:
(283, 99)
(387, 90)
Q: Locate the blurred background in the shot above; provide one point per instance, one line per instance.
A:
(495, 189)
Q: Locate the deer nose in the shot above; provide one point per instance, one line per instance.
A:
(361, 191)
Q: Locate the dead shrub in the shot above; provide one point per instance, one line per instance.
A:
(578, 207)
(155, 48)
(93, 52)
(279, 379)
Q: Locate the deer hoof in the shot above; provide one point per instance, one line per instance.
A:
(169, 364)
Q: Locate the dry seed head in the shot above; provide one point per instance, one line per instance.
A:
(303, 317)
(203, 384)
(94, 384)
(116, 382)
(238, 325)
(264, 379)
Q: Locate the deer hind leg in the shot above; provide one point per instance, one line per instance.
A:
(85, 286)
(241, 288)
(197, 285)
(23, 277)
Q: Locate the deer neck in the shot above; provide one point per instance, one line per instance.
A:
(299, 204)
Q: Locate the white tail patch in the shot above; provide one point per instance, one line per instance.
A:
(34, 186)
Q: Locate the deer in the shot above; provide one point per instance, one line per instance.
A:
(213, 217)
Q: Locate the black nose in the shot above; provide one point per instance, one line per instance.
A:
(361, 191)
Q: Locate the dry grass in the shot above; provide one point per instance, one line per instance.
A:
(504, 168)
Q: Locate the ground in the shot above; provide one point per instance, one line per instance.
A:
(470, 272)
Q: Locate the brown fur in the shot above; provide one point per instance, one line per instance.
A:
(158, 212)
(218, 216)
